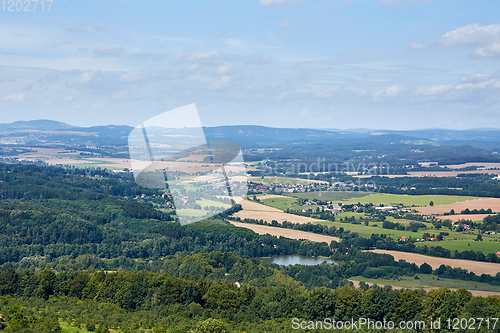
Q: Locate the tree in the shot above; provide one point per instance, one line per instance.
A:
(46, 280)
(433, 303)
(479, 238)
(211, 326)
(347, 303)
(320, 303)
(425, 268)
(222, 297)
(411, 304)
(8, 281)
(431, 203)
(454, 303)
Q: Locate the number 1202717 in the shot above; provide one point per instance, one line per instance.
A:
(26, 5)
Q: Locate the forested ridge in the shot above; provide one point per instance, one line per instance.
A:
(78, 251)
(90, 216)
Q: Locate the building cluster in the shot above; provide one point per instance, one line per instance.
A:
(259, 188)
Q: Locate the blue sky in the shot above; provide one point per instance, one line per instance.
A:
(381, 64)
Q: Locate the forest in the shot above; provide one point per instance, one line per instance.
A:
(79, 253)
(99, 301)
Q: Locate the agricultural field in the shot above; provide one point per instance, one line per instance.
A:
(207, 202)
(478, 203)
(279, 216)
(409, 200)
(471, 217)
(429, 281)
(274, 206)
(333, 196)
(450, 173)
(480, 165)
(349, 214)
(488, 245)
(282, 203)
(288, 233)
(477, 267)
(257, 211)
(376, 228)
(371, 223)
(255, 206)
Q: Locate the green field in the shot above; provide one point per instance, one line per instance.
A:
(409, 200)
(328, 195)
(281, 203)
(349, 214)
(207, 202)
(486, 246)
(367, 231)
(376, 228)
(429, 280)
(194, 212)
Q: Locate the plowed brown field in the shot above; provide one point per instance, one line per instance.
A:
(257, 211)
(477, 267)
(493, 203)
(288, 233)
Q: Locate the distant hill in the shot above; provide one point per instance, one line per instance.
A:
(249, 135)
(95, 135)
(262, 136)
(42, 124)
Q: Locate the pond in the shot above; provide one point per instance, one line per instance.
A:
(286, 260)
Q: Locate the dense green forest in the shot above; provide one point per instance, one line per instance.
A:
(51, 212)
(137, 301)
(79, 252)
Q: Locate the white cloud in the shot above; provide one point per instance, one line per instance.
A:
(478, 85)
(193, 67)
(108, 50)
(492, 50)
(209, 57)
(224, 68)
(222, 82)
(20, 97)
(472, 34)
(391, 91)
(285, 23)
(86, 77)
(476, 82)
(435, 90)
(416, 46)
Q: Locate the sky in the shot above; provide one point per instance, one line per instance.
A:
(378, 64)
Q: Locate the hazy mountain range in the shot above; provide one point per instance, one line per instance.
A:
(250, 135)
